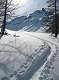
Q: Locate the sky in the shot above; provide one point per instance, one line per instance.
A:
(29, 6)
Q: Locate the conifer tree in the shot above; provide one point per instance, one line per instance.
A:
(53, 9)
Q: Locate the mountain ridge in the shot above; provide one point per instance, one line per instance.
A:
(31, 23)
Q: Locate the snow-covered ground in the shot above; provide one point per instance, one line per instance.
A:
(21, 55)
(25, 55)
(50, 70)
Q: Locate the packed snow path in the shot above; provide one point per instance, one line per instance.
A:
(21, 55)
(50, 70)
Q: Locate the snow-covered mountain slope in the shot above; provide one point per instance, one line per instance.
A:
(31, 23)
(21, 55)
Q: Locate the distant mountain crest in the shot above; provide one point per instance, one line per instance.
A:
(31, 23)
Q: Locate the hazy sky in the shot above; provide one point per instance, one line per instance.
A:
(28, 6)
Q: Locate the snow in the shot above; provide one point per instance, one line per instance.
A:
(50, 70)
(18, 54)
(25, 55)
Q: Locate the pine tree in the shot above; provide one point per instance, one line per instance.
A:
(53, 8)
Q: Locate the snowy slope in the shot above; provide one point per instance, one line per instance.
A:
(20, 54)
(50, 70)
(25, 55)
(31, 23)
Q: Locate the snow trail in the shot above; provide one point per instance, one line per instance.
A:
(29, 55)
(50, 68)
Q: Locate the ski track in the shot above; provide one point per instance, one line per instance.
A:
(50, 60)
(36, 63)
